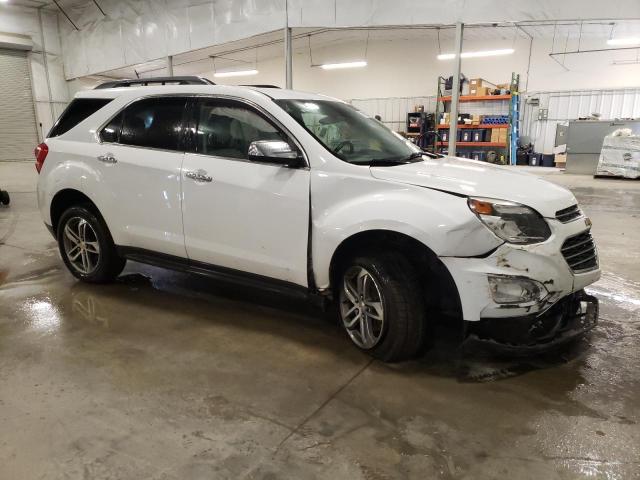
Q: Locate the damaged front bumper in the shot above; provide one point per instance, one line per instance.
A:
(568, 319)
(542, 263)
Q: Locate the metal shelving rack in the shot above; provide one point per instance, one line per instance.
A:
(514, 117)
(512, 127)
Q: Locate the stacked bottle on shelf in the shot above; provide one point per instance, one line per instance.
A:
(495, 119)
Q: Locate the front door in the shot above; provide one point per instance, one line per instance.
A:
(247, 216)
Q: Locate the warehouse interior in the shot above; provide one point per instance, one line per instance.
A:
(166, 374)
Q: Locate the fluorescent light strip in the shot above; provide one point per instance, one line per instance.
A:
(236, 73)
(335, 66)
(624, 41)
(482, 53)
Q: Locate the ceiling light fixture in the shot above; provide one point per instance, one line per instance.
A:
(624, 41)
(335, 66)
(236, 73)
(481, 53)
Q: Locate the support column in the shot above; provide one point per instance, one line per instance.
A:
(455, 94)
(170, 65)
(288, 57)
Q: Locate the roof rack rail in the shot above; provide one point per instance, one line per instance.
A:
(260, 86)
(156, 81)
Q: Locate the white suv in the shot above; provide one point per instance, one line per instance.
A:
(297, 191)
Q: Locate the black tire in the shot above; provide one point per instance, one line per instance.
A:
(4, 197)
(403, 331)
(108, 264)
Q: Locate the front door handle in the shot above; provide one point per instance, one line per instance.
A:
(107, 158)
(198, 176)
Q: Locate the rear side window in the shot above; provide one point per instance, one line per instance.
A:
(154, 123)
(77, 111)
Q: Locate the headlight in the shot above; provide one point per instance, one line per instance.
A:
(512, 222)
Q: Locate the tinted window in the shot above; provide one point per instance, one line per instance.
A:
(153, 122)
(226, 128)
(111, 132)
(77, 111)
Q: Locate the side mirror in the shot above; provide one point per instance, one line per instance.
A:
(109, 135)
(275, 151)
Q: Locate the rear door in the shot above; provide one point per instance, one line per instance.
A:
(139, 160)
(239, 214)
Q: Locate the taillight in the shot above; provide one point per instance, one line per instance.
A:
(41, 153)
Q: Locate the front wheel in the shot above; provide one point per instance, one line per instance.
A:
(381, 306)
(86, 246)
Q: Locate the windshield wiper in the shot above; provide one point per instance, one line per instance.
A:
(390, 162)
(413, 156)
(433, 155)
(383, 162)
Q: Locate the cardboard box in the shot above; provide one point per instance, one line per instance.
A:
(475, 82)
(560, 160)
(478, 91)
(495, 134)
(475, 119)
(503, 86)
(502, 135)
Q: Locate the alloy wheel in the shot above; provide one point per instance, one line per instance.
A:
(362, 307)
(81, 245)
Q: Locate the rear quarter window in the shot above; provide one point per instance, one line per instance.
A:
(77, 111)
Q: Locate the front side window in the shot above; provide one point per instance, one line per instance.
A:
(153, 122)
(227, 128)
(349, 134)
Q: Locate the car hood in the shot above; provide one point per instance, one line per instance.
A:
(481, 179)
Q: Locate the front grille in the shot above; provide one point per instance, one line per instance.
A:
(580, 252)
(568, 214)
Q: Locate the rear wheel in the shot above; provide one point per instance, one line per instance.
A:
(4, 197)
(86, 246)
(381, 306)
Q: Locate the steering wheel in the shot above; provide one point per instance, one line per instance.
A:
(343, 144)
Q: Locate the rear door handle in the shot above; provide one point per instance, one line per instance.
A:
(107, 158)
(198, 176)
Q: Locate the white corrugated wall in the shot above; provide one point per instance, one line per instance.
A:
(562, 106)
(571, 105)
(394, 110)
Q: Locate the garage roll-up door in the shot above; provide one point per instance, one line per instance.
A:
(18, 135)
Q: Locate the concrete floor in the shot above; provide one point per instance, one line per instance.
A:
(172, 376)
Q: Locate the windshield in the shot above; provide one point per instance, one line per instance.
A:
(349, 134)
